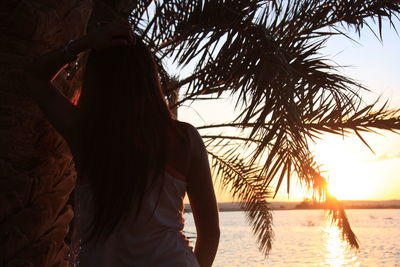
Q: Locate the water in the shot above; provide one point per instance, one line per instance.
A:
(305, 238)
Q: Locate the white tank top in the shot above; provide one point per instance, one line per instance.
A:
(154, 238)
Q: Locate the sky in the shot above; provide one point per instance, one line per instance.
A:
(354, 172)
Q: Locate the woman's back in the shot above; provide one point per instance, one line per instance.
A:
(154, 237)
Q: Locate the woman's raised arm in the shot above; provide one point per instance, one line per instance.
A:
(58, 109)
(48, 65)
(203, 202)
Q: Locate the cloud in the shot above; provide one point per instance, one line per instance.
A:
(386, 156)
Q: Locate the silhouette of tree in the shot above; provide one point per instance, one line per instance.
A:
(264, 53)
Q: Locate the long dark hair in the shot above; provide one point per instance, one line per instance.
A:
(124, 126)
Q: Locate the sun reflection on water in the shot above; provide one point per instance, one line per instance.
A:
(338, 252)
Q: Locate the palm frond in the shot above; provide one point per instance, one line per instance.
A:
(245, 185)
(267, 55)
(339, 217)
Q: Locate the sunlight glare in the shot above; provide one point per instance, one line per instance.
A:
(350, 175)
(351, 182)
(337, 251)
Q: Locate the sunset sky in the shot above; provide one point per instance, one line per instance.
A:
(353, 170)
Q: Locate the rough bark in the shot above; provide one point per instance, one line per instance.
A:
(36, 168)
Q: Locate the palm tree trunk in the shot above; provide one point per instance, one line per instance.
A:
(36, 168)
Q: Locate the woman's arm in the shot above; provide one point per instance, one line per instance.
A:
(60, 112)
(48, 65)
(58, 109)
(203, 202)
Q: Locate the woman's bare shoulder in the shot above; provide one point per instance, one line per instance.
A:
(189, 129)
(183, 125)
(180, 145)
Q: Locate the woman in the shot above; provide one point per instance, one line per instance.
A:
(134, 162)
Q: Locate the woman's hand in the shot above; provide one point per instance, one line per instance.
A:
(112, 34)
(48, 65)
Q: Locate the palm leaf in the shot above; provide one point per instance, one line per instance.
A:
(267, 55)
(245, 185)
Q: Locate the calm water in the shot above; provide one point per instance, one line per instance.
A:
(304, 238)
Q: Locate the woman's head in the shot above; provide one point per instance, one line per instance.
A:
(124, 130)
(121, 77)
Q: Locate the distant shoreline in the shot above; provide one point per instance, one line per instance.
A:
(347, 208)
(348, 204)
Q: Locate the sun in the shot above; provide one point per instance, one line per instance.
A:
(352, 182)
(346, 164)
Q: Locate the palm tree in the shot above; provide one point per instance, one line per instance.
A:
(264, 53)
(36, 169)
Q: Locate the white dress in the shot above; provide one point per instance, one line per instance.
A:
(155, 238)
